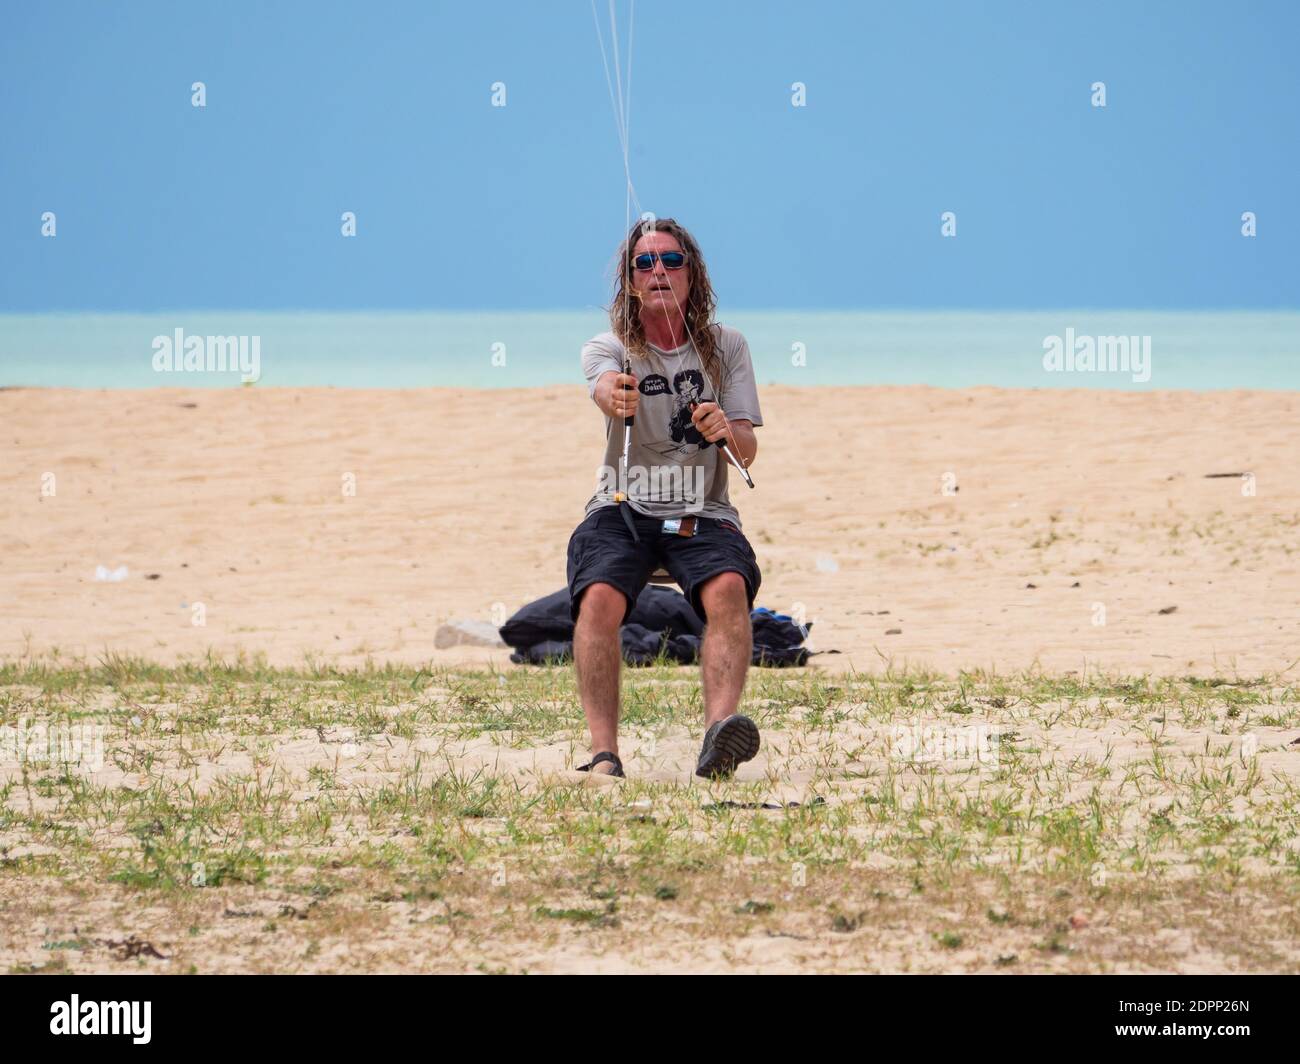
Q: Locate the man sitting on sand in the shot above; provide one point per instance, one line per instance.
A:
(676, 489)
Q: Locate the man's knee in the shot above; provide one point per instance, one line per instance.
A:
(725, 595)
(602, 605)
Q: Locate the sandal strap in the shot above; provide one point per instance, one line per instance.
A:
(602, 757)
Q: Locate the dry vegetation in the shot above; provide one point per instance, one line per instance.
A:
(249, 818)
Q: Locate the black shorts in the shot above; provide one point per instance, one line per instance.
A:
(602, 551)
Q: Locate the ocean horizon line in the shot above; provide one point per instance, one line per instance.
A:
(472, 311)
(1068, 347)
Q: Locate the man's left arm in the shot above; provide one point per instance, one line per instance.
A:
(713, 425)
(739, 395)
(746, 445)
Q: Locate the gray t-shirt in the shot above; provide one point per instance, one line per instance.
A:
(669, 474)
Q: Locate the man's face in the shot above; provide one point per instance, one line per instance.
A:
(661, 290)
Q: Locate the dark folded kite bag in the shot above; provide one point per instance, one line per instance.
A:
(662, 623)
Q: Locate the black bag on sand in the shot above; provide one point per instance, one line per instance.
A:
(662, 622)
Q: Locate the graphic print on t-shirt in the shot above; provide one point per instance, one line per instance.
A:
(683, 438)
(655, 384)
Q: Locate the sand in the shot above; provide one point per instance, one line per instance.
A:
(978, 529)
(907, 523)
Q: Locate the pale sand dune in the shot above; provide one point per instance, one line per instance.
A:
(465, 501)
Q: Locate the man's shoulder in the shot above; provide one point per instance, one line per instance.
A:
(605, 342)
(730, 341)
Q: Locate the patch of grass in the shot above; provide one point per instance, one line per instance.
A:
(423, 797)
(599, 917)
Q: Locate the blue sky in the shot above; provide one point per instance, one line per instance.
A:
(384, 109)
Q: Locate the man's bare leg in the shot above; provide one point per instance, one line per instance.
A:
(728, 645)
(597, 658)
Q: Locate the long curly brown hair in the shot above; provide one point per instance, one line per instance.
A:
(701, 304)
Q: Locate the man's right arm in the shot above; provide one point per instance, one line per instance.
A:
(616, 394)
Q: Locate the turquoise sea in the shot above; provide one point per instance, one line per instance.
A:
(487, 349)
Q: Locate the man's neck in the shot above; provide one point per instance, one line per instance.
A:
(667, 332)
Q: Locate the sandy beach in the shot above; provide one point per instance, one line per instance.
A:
(982, 528)
(428, 818)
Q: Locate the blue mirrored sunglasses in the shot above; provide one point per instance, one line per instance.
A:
(672, 260)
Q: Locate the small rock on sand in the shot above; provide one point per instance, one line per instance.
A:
(467, 633)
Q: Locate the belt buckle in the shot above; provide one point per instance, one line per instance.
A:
(672, 526)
